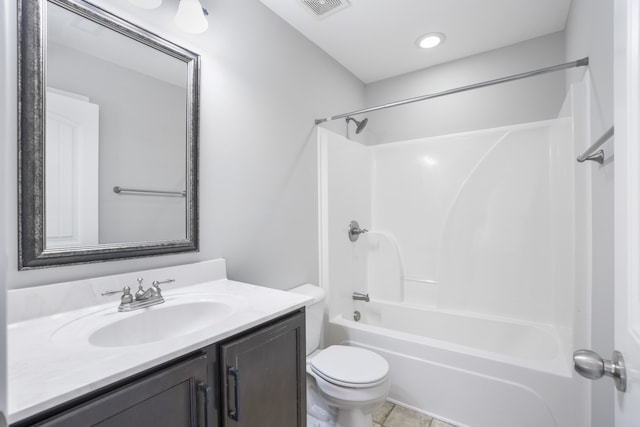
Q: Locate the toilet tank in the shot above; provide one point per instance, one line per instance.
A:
(314, 313)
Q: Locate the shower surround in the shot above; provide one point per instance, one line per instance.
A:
(475, 263)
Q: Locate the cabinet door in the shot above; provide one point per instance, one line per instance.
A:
(263, 376)
(173, 397)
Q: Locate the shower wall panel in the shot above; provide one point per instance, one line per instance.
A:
(478, 215)
(345, 194)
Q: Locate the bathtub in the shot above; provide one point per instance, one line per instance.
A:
(473, 371)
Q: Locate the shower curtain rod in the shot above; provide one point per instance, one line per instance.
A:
(579, 63)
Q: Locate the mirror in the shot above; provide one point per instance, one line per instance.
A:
(108, 138)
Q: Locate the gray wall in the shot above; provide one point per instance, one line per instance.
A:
(589, 32)
(531, 99)
(263, 85)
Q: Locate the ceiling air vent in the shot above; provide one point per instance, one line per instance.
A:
(324, 8)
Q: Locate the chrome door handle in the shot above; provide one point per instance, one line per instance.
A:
(590, 365)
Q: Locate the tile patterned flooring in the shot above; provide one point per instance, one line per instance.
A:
(390, 415)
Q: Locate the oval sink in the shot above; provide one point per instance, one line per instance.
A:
(161, 323)
(177, 317)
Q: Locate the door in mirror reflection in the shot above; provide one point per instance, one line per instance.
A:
(71, 170)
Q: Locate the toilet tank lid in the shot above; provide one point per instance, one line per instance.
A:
(310, 290)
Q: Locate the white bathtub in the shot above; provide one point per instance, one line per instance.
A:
(469, 370)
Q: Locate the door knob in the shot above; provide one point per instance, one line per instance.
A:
(590, 365)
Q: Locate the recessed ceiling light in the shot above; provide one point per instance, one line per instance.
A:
(430, 40)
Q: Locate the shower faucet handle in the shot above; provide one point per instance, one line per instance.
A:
(355, 231)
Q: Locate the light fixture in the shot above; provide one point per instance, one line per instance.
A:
(146, 4)
(430, 40)
(190, 17)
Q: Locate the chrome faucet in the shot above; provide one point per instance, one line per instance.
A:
(142, 298)
(357, 296)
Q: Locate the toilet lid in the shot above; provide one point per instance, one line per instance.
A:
(350, 366)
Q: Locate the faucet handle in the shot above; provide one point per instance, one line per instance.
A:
(127, 298)
(355, 231)
(126, 295)
(112, 292)
(155, 284)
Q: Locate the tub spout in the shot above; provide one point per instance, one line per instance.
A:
(357, 296)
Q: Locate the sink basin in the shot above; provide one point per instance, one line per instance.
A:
(162, 323)
(176, 317)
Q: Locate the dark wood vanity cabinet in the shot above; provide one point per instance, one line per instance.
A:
(256, 378)
(263, 376)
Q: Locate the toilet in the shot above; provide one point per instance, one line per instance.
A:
(344, 384)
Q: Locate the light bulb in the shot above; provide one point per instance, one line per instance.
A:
(146, 4)
(190, 17)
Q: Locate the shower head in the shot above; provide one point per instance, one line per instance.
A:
(360, 125)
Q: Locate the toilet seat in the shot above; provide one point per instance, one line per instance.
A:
(351, 367)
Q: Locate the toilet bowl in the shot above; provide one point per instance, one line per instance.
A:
(344, 384)
(353, 380)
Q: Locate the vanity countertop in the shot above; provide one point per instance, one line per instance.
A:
(44, 373)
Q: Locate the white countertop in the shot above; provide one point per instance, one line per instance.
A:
(44, 373)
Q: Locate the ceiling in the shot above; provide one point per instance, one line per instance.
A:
(375, 39)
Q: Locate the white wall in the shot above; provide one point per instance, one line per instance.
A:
(589, 32)
(531, 99)
(263, 84)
